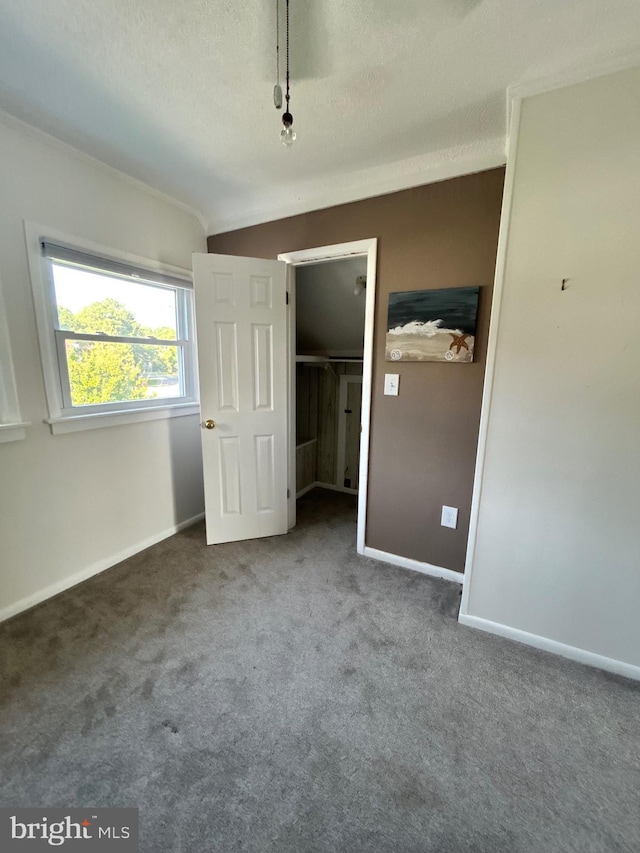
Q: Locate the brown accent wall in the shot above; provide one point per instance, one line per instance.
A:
(423, 442)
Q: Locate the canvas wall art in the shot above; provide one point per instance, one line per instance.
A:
(432, 325)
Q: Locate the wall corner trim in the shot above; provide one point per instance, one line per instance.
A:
(628, 670)
(492, 347)
(94, 569)
(413, 565)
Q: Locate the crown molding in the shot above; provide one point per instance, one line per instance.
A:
(368, 183)
(14, 123)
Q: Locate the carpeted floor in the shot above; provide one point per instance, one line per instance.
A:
(288, 695)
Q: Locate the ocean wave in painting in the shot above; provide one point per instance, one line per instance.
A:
(428, 328)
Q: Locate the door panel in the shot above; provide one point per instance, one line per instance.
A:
(242, 352)
(265, 472)
(227, 367)
(262, 367)
(230, 476)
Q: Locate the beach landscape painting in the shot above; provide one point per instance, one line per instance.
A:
(432, 325)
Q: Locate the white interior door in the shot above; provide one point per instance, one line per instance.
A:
(241, 321)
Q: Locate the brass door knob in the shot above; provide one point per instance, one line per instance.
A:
(209, 424)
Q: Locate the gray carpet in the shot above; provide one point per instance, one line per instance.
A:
(287, 695)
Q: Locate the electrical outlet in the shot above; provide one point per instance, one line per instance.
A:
(449, 517)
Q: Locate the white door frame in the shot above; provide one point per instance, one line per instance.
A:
(322, 254)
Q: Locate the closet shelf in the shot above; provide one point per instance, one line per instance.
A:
(324, 359)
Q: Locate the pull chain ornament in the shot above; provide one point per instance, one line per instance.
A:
(287, 134)
(277, 89)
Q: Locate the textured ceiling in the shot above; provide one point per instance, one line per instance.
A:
(178, 93)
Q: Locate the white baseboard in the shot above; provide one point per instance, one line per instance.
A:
(94, 569)
(337, 488)
(305, 490)
(330, 486)
(580, 655)
(414, 565)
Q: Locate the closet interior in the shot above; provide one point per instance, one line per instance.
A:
(330, 311)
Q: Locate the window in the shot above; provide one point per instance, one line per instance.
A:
(116, 336)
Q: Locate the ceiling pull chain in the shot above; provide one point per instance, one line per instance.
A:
(288, 134)
(277, 89)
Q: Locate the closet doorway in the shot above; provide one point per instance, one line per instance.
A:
(331, 307)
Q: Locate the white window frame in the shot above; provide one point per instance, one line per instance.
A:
(12, 427)
(62, 416)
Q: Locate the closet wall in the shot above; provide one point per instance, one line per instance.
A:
(318, 431)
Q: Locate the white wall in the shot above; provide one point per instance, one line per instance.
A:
(557, 553)
(73, 504)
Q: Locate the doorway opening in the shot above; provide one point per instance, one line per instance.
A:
(331, 309)
(329, 356)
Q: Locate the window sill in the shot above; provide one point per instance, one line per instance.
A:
(13, 432)
(97, 420)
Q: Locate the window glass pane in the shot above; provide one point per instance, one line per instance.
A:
(93, 303)
(109, 372)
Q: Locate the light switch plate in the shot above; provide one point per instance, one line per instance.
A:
(391, 384)
(449, 517)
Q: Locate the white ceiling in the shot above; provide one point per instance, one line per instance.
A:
(385, 93)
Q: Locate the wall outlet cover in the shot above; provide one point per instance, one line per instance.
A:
(449, 517)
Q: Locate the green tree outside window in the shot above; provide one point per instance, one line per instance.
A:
(112, 372)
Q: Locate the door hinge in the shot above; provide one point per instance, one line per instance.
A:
(288, 493)
(287, 295)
